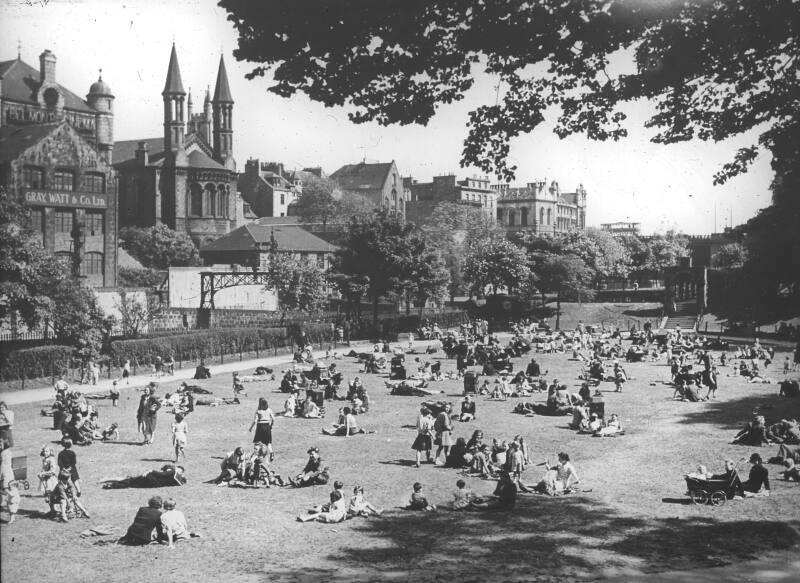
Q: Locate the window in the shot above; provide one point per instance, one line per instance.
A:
(94, 223)
(321, 260)
(64, 257)
(64, 221)
(63, 180)
(32, 177)
(512, 217)
(283, 199)
(541, 216)
(92, 264)
(549, 215)
(195, 200)
(500, 216)
(37, 220)
(523, 218)
(210, 200)
(222, 200)
(93, 182)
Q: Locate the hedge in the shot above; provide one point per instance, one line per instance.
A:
(36, 362)
(207, 343)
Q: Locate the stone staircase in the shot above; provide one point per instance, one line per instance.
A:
(685, 316)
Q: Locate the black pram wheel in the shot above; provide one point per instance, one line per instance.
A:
(718, 498)
(699, 496)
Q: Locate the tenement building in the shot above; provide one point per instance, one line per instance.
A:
(185, 179)
(55, 151)
(541, 209)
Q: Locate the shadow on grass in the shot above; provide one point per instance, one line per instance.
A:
(571, 538)
(733, 414)
(644, 313)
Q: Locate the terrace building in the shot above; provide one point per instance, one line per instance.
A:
(541, 209)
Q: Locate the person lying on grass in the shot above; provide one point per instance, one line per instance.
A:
(169, 475)
(347, 425)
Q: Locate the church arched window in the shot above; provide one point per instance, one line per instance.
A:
(541, 216)
(195, 200)
(512, 218)
(549, 216)
(210, 200)
(523, 216)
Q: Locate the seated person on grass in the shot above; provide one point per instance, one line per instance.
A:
(753, 434)
(337, 511)
(759, 476)
(347, 425)
(504, 497)
(146, 527)
(613, 427)
(418, 500)
(559, 479)
(232, 466)
(359, 506)
(173, 524)
(313, 473)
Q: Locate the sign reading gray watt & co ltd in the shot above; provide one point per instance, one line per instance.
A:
(71, 199)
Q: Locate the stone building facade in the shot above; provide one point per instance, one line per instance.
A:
(379, 183)
(55, 151)
(423, 197)
(541, 209)
(187, 178)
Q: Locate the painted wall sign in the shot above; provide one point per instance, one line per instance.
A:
(71, 199)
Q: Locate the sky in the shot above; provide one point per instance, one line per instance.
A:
(633, 180)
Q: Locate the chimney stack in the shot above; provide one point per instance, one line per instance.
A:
(142, 153)
(47, 67)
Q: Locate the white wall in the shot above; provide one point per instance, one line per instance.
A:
(184, 291)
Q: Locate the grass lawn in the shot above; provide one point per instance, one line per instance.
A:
(632, 519)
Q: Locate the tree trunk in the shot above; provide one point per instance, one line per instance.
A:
(375, 312)
(408, 304)
(558, 309)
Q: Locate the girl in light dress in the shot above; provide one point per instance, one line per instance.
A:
(179, 432)
(360, 507)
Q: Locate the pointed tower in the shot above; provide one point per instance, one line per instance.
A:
(223, 118)
(101, 99)
(205, 129)
(174, 95)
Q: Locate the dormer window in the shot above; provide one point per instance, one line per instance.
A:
(51, 97)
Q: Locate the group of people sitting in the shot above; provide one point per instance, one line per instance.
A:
(337, 510)
(241, 469)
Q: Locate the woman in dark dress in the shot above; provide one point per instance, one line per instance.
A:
(263, 420)
(67, 460)
(147, 519)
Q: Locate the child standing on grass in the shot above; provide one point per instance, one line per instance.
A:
(12, 497)
(418, 500)
(179, 431)
(114, 394)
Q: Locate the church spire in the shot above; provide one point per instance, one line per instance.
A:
(174, 85)
(222, 92)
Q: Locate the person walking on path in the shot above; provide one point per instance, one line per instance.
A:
(147, 414)
(263, 420)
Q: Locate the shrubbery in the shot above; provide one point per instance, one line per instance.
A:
(36, 362)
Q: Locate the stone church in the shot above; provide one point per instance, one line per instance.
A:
(185, 179)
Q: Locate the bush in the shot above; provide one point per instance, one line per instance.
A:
(199, 344)
(135, 277)
(36, 362)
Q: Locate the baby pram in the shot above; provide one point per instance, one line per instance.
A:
(19, 465)
(712, 491)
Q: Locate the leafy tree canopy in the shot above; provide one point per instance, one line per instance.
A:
(712, 69)
(498, 264)
(301, 285)
(159, 247)
(322, 201)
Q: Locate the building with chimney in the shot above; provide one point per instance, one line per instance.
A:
(423, 197)
(540, 208)
(379, 183)
(55, 152)
(185, 179)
